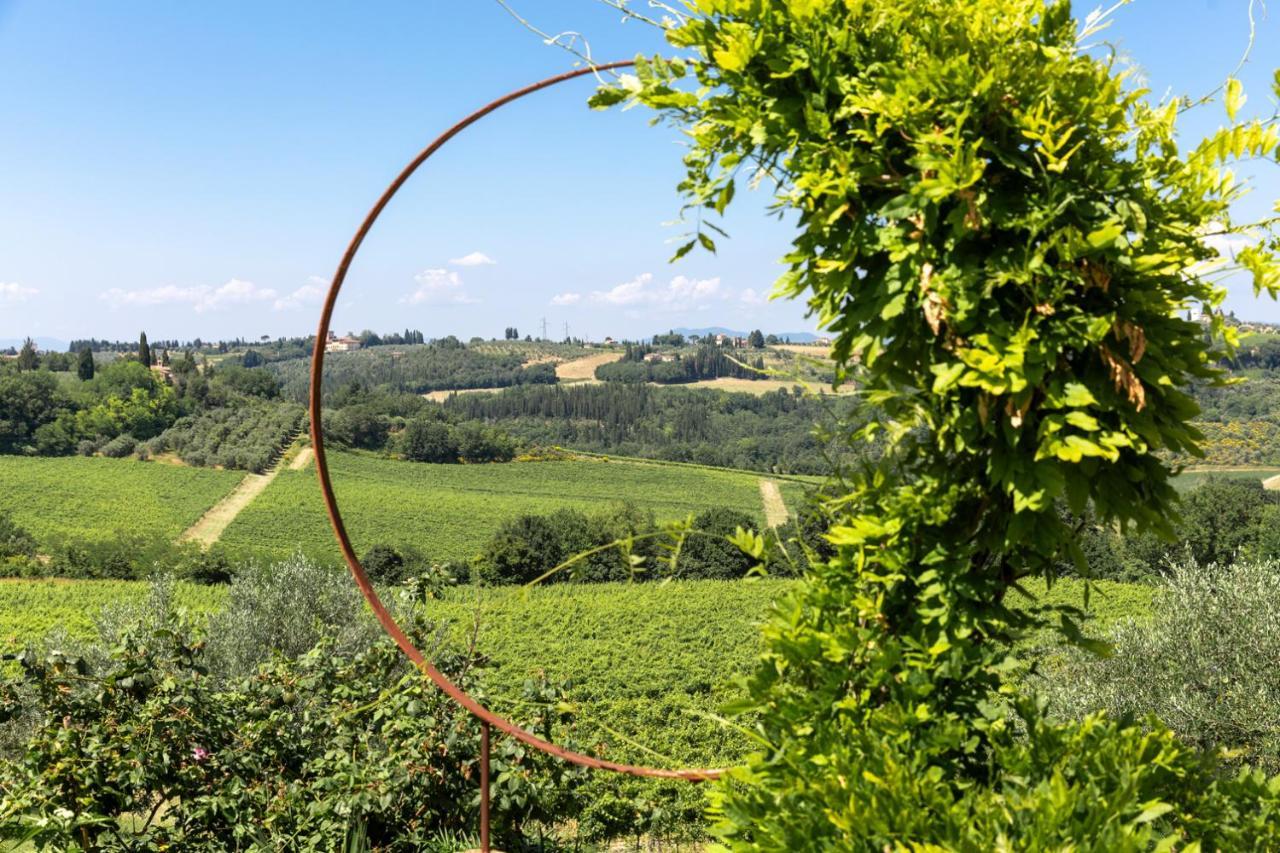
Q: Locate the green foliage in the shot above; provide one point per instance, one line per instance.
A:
(249, 436)
(28, 401)
(642, 664)
(526, 548)
(14, 541)
(1220, 520)
(439, 366)
(450, 511)
(389, 565)
(428, 440)
(714, 555)
(361, 426)
(287, 608)
(767, 432)
(32, 609)
(1203, 662)
(119, 447)
(84, 365)
(706, 362)
(293, 757)
(1001, 234)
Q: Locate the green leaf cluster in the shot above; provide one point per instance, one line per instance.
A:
(1004, 236)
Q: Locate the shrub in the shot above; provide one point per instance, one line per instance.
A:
(428, 440)
(134, 556)
(119, 447)
(286, 608)
(710, 554)
(358, 426)
(14, 540)
(1204, 663)
(304, 754)
(387, 564)
(478, 443)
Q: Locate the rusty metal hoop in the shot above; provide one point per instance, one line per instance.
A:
(388, 622)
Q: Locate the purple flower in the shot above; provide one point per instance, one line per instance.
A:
(199, 753)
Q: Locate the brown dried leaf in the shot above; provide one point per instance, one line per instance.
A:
(972, 218)
(935, 308)
(984, 405)
(1096, 276)
(1131, 332)
(1125, 380)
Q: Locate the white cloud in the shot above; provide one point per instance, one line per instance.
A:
(11, 292)
(750, 297)
(679, 294)
(201, 297)
(1227, 245)
(569, 298)
(310, 293)
(475, 259)
(439, 287)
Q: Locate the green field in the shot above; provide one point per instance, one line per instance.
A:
(450, 511)
(33, 609)
(95, 497)
(1191, 479)
(646, 662)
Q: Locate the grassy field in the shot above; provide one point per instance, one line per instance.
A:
(449, 511)
(33, 609)
(1192, 478)
(645, 662)
(92, 497)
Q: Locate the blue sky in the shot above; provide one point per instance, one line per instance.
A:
(196, 169)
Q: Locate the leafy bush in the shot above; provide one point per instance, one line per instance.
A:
(427, 440)
(1204, 663)
(14, 541)
(1002, 233)
(621, 545)
(287, 608)
(357, 426)
(388, 564)
(302, 755)
(135, 556)
(714, 556)
(119, 447)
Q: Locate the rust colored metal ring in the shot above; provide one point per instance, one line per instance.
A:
(384, 617)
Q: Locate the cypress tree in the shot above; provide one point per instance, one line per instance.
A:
(144, 351)
(27, 358)
(84, 369)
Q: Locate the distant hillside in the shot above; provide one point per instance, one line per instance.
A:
(42, 344)
(794, 337)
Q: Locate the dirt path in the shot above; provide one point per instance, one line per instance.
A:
(1272, 484)
(584, 369)
(775, 510)
(302, 460)
(213, 523)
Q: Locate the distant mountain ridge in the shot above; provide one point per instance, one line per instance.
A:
(42, 344)
(794, 337)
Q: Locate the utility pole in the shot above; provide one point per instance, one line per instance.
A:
(566, 330)
(544, 328)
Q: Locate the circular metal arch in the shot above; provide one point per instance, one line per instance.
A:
(384, 617)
